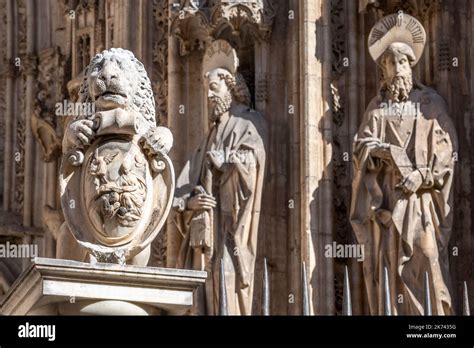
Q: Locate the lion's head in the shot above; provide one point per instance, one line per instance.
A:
(116, 79)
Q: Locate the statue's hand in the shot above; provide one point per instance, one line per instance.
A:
(375, 147)
(79, 133)
(382, 150)
(216, 158)
(201, 201)
(412, 182)
(234, 157)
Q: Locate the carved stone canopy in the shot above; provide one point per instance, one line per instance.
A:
(196, 23)
(421, 9)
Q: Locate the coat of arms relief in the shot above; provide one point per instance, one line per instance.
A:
(117, 181)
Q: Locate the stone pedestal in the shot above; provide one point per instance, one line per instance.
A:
(56, 286)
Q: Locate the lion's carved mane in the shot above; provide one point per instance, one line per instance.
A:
(143, 99)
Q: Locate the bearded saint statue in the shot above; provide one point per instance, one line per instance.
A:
(403, 160)
(218, 192)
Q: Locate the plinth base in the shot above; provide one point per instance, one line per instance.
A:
(64, 287)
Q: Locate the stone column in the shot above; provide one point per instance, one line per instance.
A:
(316, 152)
(30, 70)
(129, 26)
(173, 242)
(355, 73)
(9, 76)
(294, 214)
(261, 74)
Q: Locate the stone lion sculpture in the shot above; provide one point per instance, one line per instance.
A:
(114, 79)
(114, 165)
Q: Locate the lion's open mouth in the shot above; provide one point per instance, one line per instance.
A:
(111, 93)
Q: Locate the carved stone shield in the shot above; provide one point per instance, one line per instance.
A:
(115, 194)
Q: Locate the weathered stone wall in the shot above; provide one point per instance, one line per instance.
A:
(311, 77)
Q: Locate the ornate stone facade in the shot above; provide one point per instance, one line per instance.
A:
(309, 73)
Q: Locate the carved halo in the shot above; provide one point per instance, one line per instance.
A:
(398, 27)
(220, 54)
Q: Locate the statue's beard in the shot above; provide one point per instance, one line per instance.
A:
(399, 88)
(220, 107)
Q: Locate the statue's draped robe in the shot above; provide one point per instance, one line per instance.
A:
(407, 233)
(234, 221)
